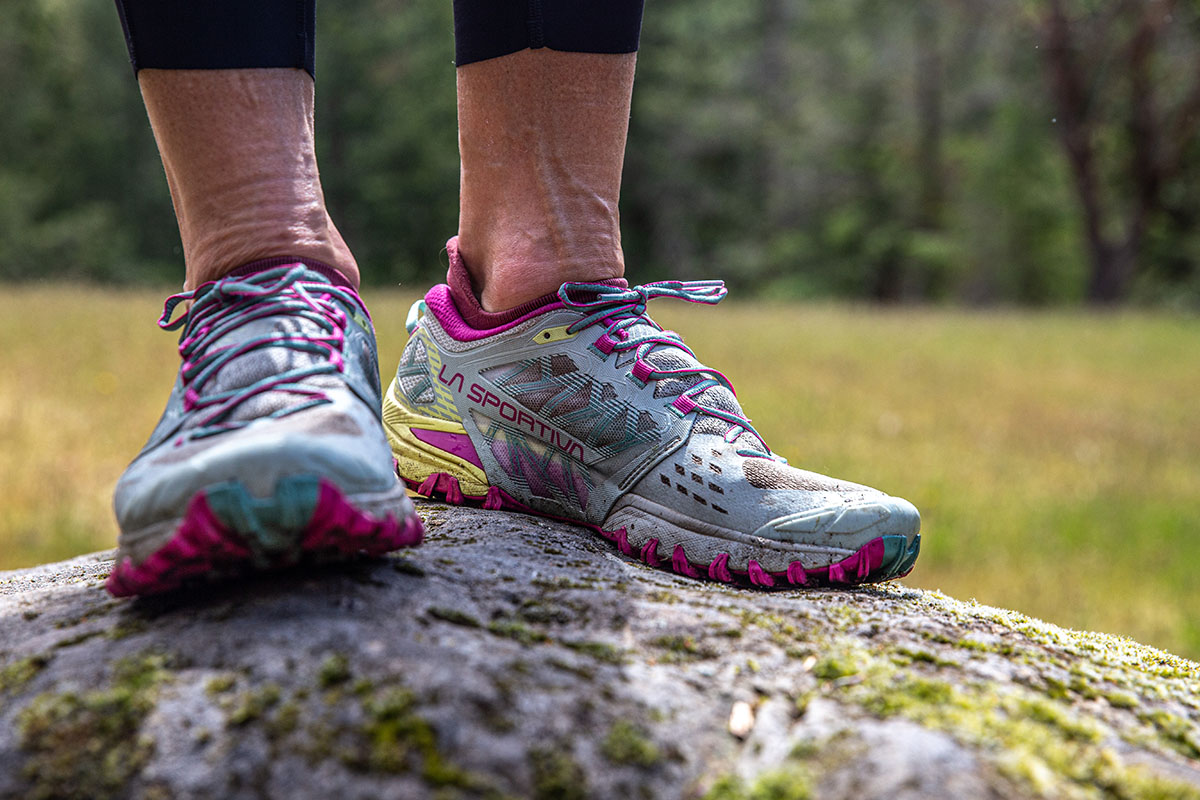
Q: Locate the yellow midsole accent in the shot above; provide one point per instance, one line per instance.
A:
(418, 460)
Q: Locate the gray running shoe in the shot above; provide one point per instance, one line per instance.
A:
(270, 448)
(584, 409)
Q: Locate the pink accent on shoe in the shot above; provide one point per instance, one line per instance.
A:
(203, 545)
(458, 310)
(875, 549)
(581, 490)
(859, 563)
(492, 500)
(622, 540)
(337, 525)
(758, 575)
(641, 370)
(680, 563)
(684, 404)
(649, 553)
(462, 294)
(795, 574)
(445, 484)
(429, 486)
(458, 444)
(718, 570)
(854, 568)
(604, 344)
(441, 305)
(503, 456)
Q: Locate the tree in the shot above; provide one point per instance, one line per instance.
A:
(1125, 80)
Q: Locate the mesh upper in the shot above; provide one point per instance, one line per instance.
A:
(672, 358)
(763, 473)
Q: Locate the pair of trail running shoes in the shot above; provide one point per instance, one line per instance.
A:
(277, 443)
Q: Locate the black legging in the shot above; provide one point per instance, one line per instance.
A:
(233, 34)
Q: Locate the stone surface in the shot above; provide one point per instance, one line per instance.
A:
(516, 657)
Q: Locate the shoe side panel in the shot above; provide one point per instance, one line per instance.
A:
(573, 463)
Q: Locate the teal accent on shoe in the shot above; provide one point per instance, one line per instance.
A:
(898, 555)
(272, 525)
(910, 556)
(415, 312)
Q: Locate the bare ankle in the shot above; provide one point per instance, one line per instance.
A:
(508, 274)
(218, 250)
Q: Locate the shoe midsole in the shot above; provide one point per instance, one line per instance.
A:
(138, 545)
(644, 519)
(417, 460)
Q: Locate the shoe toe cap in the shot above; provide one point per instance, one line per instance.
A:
(160, 483)
(851, 518)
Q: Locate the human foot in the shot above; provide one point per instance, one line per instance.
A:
(270, 449)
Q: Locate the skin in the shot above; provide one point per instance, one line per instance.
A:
(542, 144)
(237, 147)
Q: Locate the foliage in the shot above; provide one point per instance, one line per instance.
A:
(853, 148)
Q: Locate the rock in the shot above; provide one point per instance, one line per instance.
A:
(515, 657)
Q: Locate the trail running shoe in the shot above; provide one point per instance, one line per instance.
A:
(581, 408)
(270, 448)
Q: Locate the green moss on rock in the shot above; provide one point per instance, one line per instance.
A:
(86, 744)
(1037, 738)
(15, 675)
(517, 631)
(251, 705)
(453, 616)
(627, 745)
(682, 648)
(789, 783)
(556, 775)
(334, 670)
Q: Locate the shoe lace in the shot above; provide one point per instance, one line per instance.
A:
(622, 312)
(219, 308)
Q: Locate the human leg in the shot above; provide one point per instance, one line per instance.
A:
(228, 88)
(270, 448)
(569, 401)
(237, 147)
(543, 112)
(542, 142)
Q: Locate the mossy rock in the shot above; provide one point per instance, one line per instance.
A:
(515, 657)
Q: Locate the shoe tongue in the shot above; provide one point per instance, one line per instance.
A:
(263, 363)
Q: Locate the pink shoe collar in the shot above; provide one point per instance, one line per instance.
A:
(460, 314)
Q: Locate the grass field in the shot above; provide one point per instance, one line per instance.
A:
(1055, 456)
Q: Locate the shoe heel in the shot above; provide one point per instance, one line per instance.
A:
(425, 446)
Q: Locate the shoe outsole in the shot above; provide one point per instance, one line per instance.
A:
(252, 535)
(883, 558)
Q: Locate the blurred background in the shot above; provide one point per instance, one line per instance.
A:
(961, 236)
